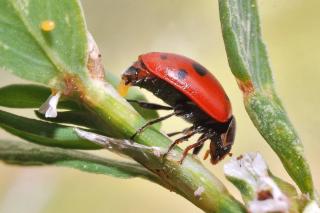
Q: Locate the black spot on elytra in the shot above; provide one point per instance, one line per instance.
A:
(199, 69)
(182, 74)
(163, 56)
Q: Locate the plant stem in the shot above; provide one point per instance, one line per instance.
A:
(120, 118)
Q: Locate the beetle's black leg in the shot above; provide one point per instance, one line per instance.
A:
(228, 137)
(179, 132)
(174, 133)
(199, 143)
(197, 149)
(189, 132)
(147, 105)
(149, 123)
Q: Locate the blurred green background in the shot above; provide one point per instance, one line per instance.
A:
(124, 29)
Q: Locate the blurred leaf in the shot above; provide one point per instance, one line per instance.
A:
(44, 133)
(249, 63)
(34, 155)
(29, 96)
(37, 55)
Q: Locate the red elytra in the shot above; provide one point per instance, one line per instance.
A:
(198, 84)
(193, 93)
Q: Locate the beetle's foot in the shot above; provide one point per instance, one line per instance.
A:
(133, 136)
(164, 156)
(182, 158)
(172, 145)
(136, 133)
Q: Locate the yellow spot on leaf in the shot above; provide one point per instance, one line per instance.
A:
(47, 25)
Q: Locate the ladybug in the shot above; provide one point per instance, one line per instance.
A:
(192, 93)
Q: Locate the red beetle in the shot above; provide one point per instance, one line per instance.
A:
(192, 93)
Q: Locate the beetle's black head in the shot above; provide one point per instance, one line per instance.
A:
(130, 75)
(135, 73)
(221, 146)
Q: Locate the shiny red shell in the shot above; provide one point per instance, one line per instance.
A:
(193, 80)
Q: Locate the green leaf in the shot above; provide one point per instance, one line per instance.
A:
(72, 117)
(246, 52)
(249, 63)
(247, 192)
(37, 55)
(29, 96)
(30, 154)
(44, 133)
(33, 96)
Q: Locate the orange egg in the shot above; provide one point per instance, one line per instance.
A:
(47, 25)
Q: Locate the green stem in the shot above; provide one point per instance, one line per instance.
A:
(120, 118)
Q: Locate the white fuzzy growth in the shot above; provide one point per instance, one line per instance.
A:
(252, 169)
(248, 168)
(312, 207)
(277, 203)
(199, 191)
(49, 108)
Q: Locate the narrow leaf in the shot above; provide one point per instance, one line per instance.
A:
(247, 55)
(34, 52)
(33, 96)
(72, 117)
(249, 63)
(29, 96)
(44, 133)
(26, 154)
